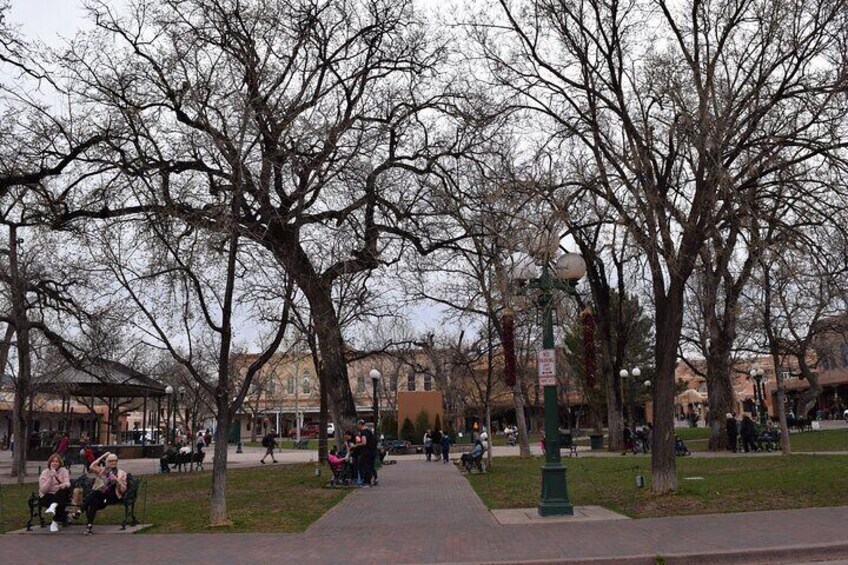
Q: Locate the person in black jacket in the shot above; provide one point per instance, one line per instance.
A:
(732, 432)
(269, 442)
(749, 434)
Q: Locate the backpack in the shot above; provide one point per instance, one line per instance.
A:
(266, 441)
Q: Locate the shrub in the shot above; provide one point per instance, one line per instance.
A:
(407, 430)
(422, 423)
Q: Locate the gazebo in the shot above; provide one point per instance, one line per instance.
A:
(111, 382)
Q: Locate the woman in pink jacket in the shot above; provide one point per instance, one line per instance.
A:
(54, 487)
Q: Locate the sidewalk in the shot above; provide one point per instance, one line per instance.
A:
(427, 513)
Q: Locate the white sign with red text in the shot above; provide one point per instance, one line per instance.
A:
(546, 361)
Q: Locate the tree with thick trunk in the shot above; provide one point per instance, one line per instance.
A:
(674, 122)
(323, 112)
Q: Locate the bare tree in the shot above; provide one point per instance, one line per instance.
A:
(171, 276)
(320, 114)
(680, 113)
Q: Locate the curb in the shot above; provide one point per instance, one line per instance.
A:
(783, 554)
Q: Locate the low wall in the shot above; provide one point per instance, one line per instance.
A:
(123, 452)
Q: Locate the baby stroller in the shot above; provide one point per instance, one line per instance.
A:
(768, 440)
(680, 448)
(341, 469)
(474, 459)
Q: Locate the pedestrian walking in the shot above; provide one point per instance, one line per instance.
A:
(428, 445)
(446, 444)
(749, 433)
(732, 432)
(62, 447)
(437, 443)
(269, 442)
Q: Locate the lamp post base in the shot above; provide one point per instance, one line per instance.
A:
(554, 501)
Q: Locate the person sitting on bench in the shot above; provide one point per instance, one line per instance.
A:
(167, 458)
(109, 487)
(54, 488)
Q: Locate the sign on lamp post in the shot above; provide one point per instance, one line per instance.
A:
(547, 367)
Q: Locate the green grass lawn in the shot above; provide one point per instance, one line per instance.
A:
(824, 440)
(726, 484)
(277, 498)
(697, 439)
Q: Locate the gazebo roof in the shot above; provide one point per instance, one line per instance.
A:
(107, 379)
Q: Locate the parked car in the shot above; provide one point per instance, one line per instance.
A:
(308, 431)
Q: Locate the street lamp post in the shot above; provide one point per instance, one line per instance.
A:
(757, 373)
(570, 267)
(169, 431)
(375, 378)
(631, 390)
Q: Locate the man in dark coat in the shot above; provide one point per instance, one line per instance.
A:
(732, 432)
(749, 434)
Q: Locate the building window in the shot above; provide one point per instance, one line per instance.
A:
(428, 382)
(272, 386)
(360, 384)
(307, 384)
(410, 382)
(290, 385)
(393, 383)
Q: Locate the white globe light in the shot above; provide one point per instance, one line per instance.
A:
(647, 383)
(570, 266)
(169, 389)
(623, 373)
(636, 372)
(375, 374)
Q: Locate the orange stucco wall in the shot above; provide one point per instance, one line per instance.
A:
(410, 404)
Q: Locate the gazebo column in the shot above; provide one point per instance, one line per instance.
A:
(144, 423)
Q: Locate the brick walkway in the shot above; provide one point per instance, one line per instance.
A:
(424, 513)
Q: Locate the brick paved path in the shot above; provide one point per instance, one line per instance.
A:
(424, 513)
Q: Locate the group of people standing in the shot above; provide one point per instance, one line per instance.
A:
(747, 429)
(359, 453)
(437, 443)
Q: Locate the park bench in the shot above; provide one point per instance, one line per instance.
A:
(183, 461)
(85, 483)
(566, 441)
(301, 444)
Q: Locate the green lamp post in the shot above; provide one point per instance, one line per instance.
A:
(569, 268)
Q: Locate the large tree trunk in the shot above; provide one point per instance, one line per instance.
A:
(808, 397)
(333, 372)
(719, 388)
(669, 322)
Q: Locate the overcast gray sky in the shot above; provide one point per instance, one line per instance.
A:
(47, 19)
